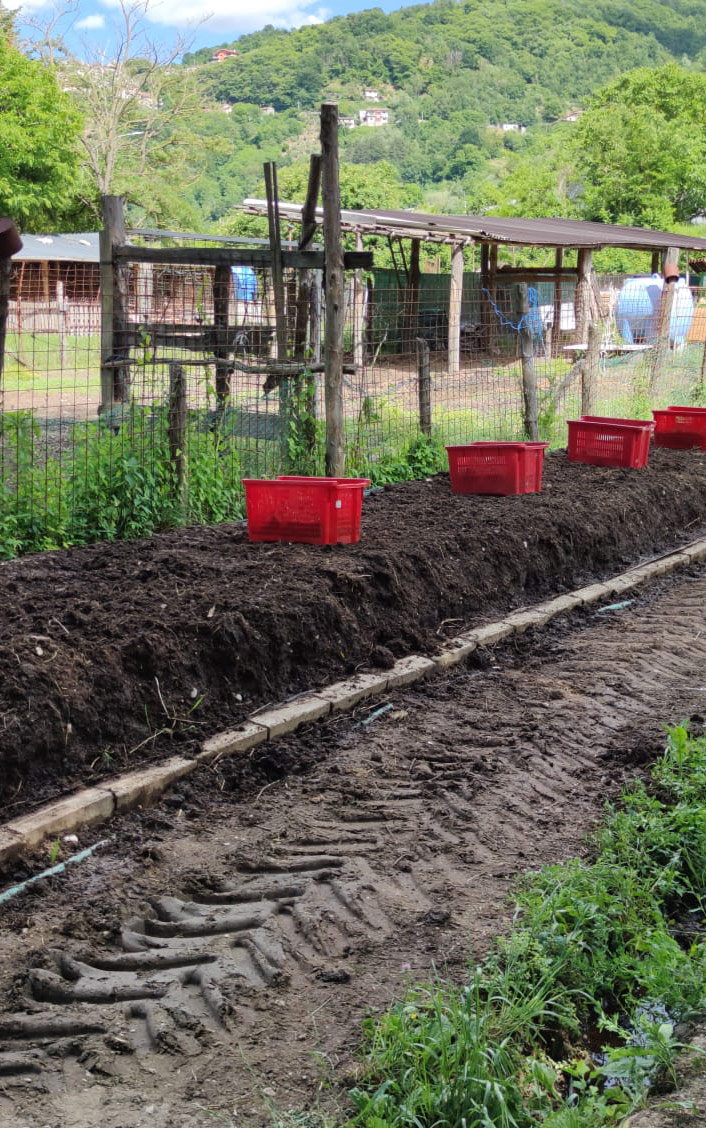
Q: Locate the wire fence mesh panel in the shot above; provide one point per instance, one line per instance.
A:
(194, 393)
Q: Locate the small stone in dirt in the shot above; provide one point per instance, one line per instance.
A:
(423, 770)
(437, 917)
(334, 975)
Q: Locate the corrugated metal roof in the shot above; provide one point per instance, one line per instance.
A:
(498, 229)
(75, 247)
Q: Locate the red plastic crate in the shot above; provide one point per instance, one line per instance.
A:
(364, 482)
(496, 468)
(306, 510)
(680, 427)
(647, 426)
(608, 444)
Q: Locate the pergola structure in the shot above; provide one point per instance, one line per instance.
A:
(492, 232)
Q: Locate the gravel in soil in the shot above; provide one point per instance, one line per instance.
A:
(216, 959)
(120, 653)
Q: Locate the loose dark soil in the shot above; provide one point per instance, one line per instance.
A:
(115, 654)
(213, 961)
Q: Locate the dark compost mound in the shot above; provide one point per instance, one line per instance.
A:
(115, 654)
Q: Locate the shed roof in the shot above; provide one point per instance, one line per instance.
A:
(74, 247)
(496, 229)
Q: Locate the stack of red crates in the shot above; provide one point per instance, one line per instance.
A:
(609, 441)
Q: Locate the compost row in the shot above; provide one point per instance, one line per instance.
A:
(116, 654)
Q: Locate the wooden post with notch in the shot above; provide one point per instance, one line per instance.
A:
(455, 306)
(660, 351)
(115, 377)
(305, 297)
(529, 377)
(333, 329)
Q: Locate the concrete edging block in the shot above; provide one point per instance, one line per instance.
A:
(345, 694)
(242, 739)
(289, 716)
(83, 809)
(140, 788)
(490, 634)
(409, 670)
(537, 616)
(455, 652)
(10, 844)
(593, 593)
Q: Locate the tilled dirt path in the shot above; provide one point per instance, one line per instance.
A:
(216, 959)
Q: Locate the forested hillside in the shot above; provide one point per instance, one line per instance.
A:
(451, 75)
(519, 106)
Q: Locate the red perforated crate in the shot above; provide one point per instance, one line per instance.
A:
(680, 427)
(496, 468)
(307, 510)
(608, 444)
(647, 426)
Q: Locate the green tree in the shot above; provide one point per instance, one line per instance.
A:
(641, 148)
(39, 148)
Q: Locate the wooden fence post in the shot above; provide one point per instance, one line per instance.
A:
(333, 330)
(664, 319)
(455, 305)
(529, 378)
(582, 299)
(115, 377)
(424, 386)
(222, 284)
(589, 369)
(176, 428)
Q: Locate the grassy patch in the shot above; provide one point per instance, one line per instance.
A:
(613, 945)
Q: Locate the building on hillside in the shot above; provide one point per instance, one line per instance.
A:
(572, 115)
(225, 107)
(222, 54)
(378, 116)
(513, 127)
(346, 122)
(268, 110)
(371, 95)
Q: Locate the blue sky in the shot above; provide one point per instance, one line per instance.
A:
(89, 26)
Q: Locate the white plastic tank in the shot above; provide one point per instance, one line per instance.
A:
(637, 310)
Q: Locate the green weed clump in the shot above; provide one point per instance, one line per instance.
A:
(611, 945)
(117, 479)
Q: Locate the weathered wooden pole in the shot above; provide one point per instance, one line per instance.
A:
(455, 306)
(529, 378)
(556, 311)
(413, 288)
(582, 297)
(359, 293)
(333, 258)
(424, 386)
(660, 351)
(306, 295)
(590, 369)
(10, 244)
(176, 429)
(115, 378)
(222, 284)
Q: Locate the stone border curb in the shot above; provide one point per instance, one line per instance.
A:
(139, 788)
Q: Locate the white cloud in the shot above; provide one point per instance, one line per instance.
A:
(91, 23)
(225, 16)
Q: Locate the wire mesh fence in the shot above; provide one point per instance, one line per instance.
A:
(193, 402)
